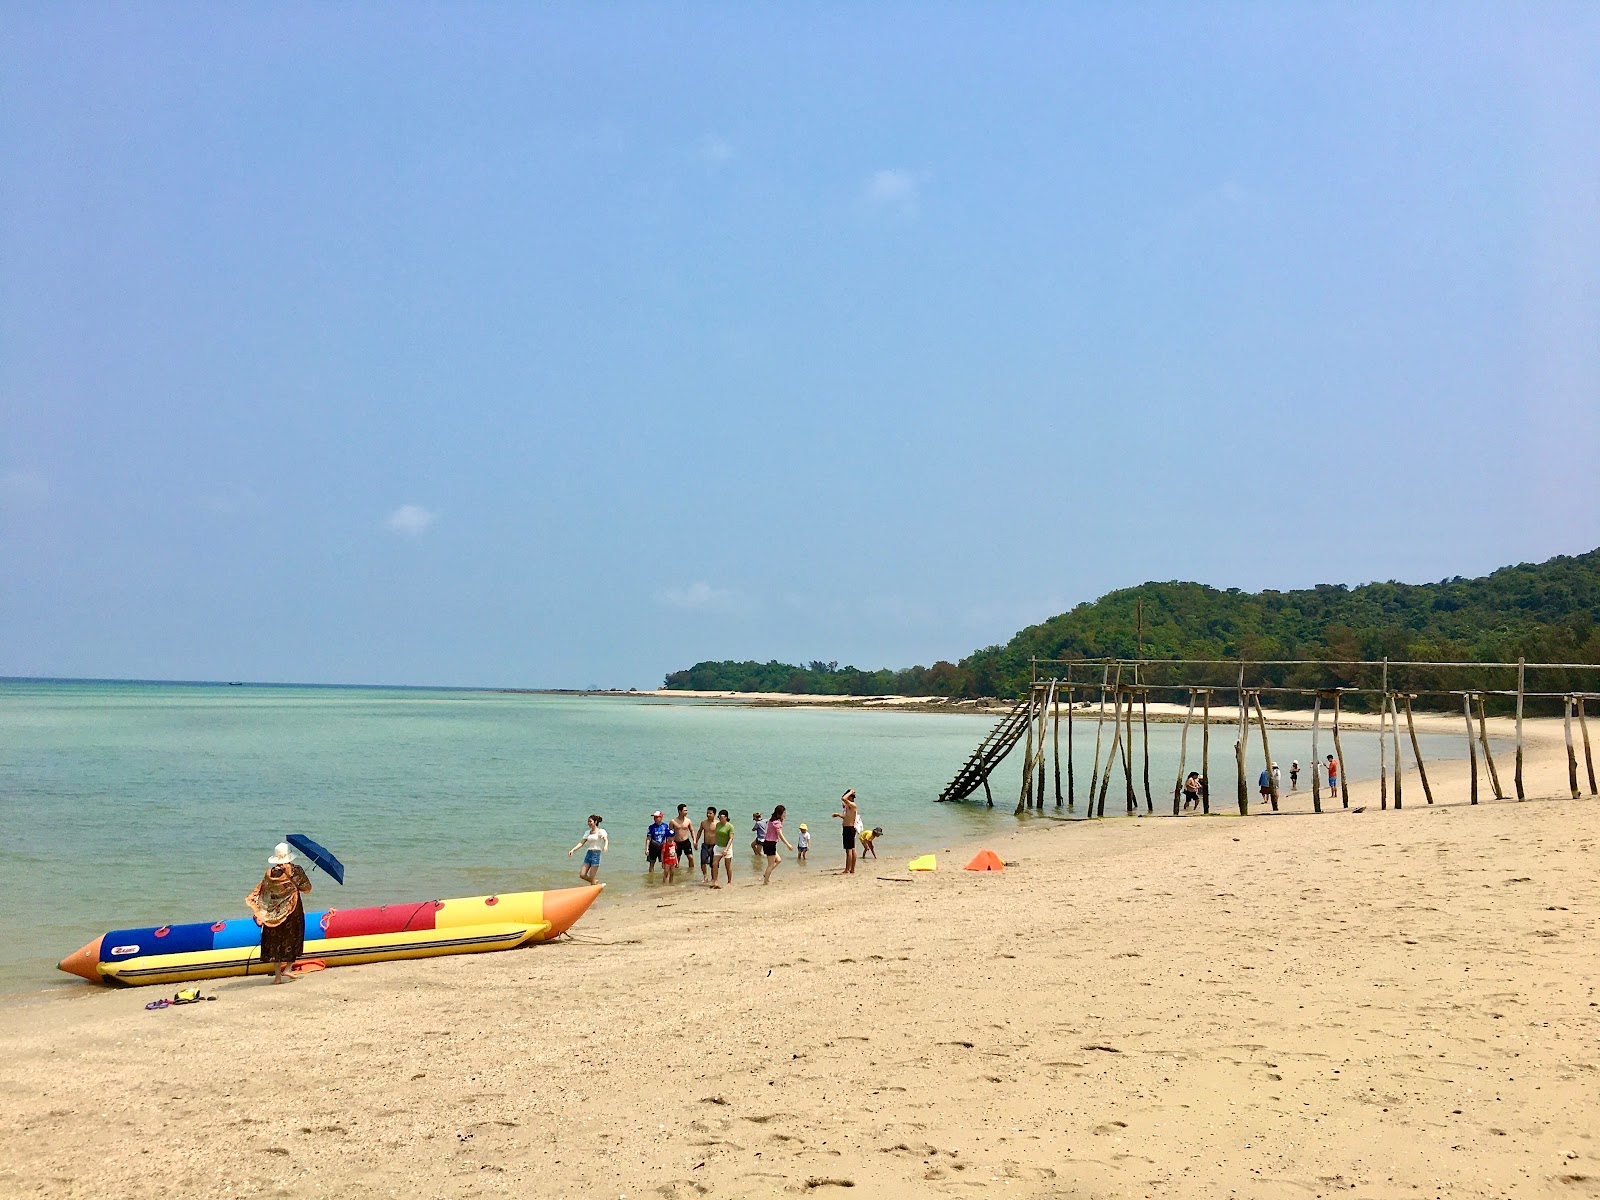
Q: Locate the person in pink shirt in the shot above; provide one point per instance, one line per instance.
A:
(769, 846)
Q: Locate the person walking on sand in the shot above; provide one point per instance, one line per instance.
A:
(774, 836)
(758, 842)
(683, 834)
(707, 835)
(281, 913)
(594, 843)
(850, 816)
(1191, 791)
(724, 852)
(655, 838)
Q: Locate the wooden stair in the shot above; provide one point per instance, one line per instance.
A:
(990, 751)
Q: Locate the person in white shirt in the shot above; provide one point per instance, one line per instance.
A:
(593, 844)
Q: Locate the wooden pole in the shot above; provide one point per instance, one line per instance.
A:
(1111, 754)
(1383, 738)
(1316, 760)
(1071, 774)
(988, 795)
(1393, 717)
(1588, 755)
(1055, 739)
(1144, 720)
(1205, 753)
(1488, 755)
(1099, 729)
(1416, 752)
(1183, 753)
(1023, 797)
(1472, 743)
(1127, 756)
(1572, 755)
(1266, 750)
(1239, 749)
(1522, 667)
(1338, 751)
(1044, 721)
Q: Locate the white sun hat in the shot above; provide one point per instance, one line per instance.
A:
(282, 854)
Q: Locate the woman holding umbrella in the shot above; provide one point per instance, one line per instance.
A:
(280, 913)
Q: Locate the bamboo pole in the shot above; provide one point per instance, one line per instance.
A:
(1522, 667)
(1144, 720)
(1572, 756)
(1316, 760)
(1205, 754)
(1023, 797)
(1037, 796)
(1071, 774)
(1338, 752)
(1239, 749)
(1393, 717)
(1127, 755)
(1183, 753)
(1111, 754)
(1588, 755)
(1383, 751)
(1416, 752)
(988, 795)
(1488, 755)
(1266, 750)
(1472, 742)
(1055, 739)
(1099, 729)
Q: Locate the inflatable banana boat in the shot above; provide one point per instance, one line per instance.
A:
(339, 937)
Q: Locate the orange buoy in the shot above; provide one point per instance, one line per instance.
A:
(985, 860)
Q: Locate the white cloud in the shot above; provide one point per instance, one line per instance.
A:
(23, 489)
(715, 150)
(894, 189)
(700, 596)
(410, 519)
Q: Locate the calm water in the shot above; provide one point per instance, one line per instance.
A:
(129, 804)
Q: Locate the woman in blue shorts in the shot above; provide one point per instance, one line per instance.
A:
(593, 844)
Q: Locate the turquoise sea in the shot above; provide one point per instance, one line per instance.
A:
(150, 803)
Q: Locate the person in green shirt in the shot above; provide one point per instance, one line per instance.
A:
(724, 849)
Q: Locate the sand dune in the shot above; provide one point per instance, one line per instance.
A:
(1373, 1004)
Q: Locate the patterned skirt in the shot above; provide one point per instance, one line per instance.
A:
(285, 943)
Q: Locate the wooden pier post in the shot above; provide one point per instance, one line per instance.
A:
(1183, 753)
(1072, 782)
(987, 794)
(1111, 754)
(1416, 751)
(1144, 720)
(1205, 753)
(1044, 723)
(1266, 751)
(1572, 755)
(1127, 756)
(1393, 717)
(1472, 743)
(1023, 797)
(1338, 750)
(1383, 737)
(1488, 755)
(1316, 760)
(1522, 667)
(1239, 749)
(1588, 755)
(1055, 739)
(1099, 729)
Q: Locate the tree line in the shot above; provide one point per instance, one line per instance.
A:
(1544, 612)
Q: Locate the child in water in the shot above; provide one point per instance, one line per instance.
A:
(802, 843)
(669, 860)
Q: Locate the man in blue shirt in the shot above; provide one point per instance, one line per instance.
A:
(655, 836)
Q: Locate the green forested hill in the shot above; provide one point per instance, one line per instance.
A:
(1547, 612)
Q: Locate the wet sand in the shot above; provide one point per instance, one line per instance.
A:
(1372, 1004)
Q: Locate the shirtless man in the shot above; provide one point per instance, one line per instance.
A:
(849, 816)
(707, 835)
(683, 835)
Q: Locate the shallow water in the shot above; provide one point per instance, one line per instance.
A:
(137, 803)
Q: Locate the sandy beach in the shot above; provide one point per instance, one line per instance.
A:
(1363, 1003)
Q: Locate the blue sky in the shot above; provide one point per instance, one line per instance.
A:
(540, 345)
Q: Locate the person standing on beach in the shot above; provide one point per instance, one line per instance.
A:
(708, 840)
(760, 830)
(280, 912)
(654, 838)
(850, 816)
(594, 843)
(683, 834)
(1294, 776)
(774, 836)
(724, 851)
(1333, 775)
(803, 842)
(1265, 783)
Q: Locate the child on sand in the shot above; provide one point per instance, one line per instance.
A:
(774, 832)
(802, 843)
(868, 838)
(724, 850)
(593, 844)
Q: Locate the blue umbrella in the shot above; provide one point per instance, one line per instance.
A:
(318, 855)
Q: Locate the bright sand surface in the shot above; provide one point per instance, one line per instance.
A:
(1372, 1004)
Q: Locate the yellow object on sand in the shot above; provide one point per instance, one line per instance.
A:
(924, 862)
